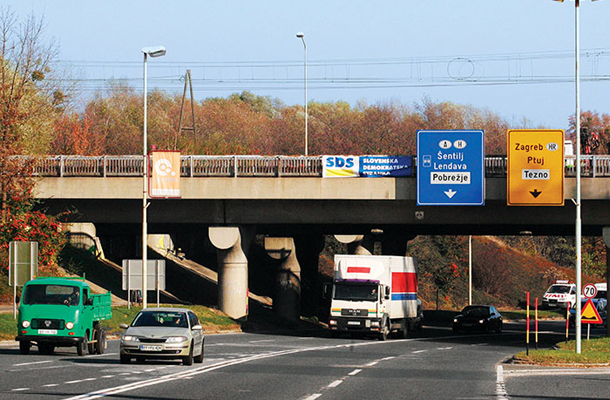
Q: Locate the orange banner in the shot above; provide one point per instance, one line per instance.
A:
(165, 179)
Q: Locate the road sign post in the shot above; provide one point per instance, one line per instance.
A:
(535, 167)
(450, 168)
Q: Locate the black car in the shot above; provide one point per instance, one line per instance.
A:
(483, 318)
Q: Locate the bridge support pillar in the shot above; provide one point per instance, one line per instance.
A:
(308, 248)
(287, 294)
(83, 235)
(231, 245)
(606, 233)
(358, 244)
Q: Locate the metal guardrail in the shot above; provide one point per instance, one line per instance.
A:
(257, 166)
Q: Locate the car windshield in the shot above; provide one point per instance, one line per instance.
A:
(161, 318)
(476, 311)
(51, 294)
(559, 289)
(355, 291)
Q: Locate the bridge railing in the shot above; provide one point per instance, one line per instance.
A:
(257, 166)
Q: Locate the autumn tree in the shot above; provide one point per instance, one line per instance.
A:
(29, 103)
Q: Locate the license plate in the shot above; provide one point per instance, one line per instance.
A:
(47, 331)
(353, 323)
(150, 348)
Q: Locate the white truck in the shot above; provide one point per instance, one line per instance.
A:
(374, 295)
(561, 294)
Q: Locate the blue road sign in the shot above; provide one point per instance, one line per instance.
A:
(450, 168)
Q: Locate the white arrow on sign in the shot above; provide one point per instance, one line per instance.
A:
(450, 193)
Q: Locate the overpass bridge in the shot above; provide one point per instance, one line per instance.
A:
(232, 197)
(282, 195)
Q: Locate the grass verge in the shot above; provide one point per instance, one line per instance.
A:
(212, 320)
(593, 351)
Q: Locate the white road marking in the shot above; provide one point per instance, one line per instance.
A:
(32, 363)
(51, 385)
(108, 376)
(419, 351)
(262, 341)
(80, 381)
(223, 364)
(313, 396)
(444, 348)
(371, 364)
(558, 371)
(387, 358)
(335, 383)
(501, 393)
(354, 372)
(20, 389)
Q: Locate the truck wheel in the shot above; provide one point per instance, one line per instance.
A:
(24, 347)
(82, 346)
(100, 344)
(404, 332)
(383, 333)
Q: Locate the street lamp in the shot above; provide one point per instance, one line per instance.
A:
(578, 197)
(301, 36)
(156, 51)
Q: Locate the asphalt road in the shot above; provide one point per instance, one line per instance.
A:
(433, 365)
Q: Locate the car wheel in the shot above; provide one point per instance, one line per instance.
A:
(499, 328)
(188, 360)
(125, 359)
(24, 347)
(456, 329)
(199, 358)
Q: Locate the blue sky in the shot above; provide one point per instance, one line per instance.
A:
(513, 57)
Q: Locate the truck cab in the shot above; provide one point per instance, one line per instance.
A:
(62, 312)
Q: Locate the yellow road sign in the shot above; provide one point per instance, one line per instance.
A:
(589, 314)
(535, 167)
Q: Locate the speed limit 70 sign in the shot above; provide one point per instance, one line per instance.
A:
(589, 291)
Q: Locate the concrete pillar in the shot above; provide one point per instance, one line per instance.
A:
(308, 249)
(606, 234)
(287, 294)
(231, 245)
(83, 235)
(358, 244)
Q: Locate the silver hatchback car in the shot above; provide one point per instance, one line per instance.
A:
(163, 333)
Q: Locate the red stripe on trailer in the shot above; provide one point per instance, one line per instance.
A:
(359, 270)
(403, 282)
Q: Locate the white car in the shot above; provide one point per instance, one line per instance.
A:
(163, 333)
(561, 294)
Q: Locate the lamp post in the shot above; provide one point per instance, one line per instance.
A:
(301, 35)
(157, 51)
(578, 197)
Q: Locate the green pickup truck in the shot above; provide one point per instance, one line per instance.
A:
(62, 312)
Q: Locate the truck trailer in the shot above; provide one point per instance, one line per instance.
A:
(374, 295)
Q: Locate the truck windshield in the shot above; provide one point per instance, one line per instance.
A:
(355, 291)
(51, 294)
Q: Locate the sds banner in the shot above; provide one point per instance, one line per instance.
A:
(366, 166)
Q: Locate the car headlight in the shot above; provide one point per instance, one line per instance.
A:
(69, 325)
(481, 321)
(333, 322)
(374, 323)
(176, 339)
(455, 320)
(25, 324)
(129, 338)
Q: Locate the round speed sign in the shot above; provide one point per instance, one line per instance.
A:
(589, 291)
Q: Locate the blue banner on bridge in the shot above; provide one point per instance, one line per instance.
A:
(366, 166)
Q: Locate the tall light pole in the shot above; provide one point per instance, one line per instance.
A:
(578, 197)
(157, 51)
(301, 35)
